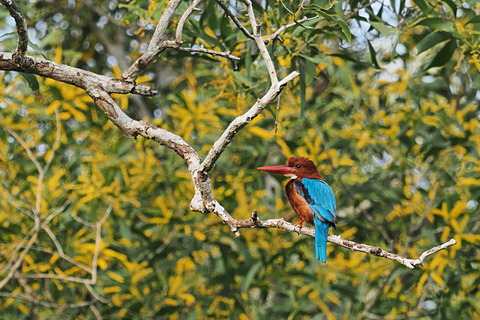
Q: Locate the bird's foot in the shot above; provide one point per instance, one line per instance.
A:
(300, 224)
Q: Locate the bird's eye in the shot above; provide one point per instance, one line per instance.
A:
(298, 166)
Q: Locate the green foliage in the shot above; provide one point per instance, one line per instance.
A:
(388, 111)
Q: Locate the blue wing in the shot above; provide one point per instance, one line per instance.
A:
(321, 200)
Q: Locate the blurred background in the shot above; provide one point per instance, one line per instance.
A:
(386, 106)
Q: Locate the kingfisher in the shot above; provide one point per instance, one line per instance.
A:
(311, 198)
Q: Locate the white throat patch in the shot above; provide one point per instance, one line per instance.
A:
(291, 176)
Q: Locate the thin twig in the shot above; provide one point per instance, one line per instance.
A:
(24, 253)
(192, 7)
(175, 45)
(435, 250)
(277, 33)
(156, 45)
(48, 304)
(12, 203)
(56, 143)
(22, 31)
(234, 19)
(98, 241)
(21, 245)
(54, 276)
(93, 269)
(28, 289)
(41, 171)
(26, 148)
(56, 212)
(260, 44)
(61, 253)
(95, 294)
(81, 220)
(96, 312)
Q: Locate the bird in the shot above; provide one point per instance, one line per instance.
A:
(311, 198)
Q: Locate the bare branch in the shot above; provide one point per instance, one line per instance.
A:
(254, 222)
(234, 19)
(207, 51)
(134, 128)
(56, 212)
(41, 172)
(81, 221)
(168, 139)
(261, 44)
(175, 45)
(241, 121)
(155, 46)
(273, 36)
(15, 262)
(24, 253)
(28, 289)
(95, 294)
(183, 18)
(433, 250)
(56, 143)
(92, 271)
(23, 244)
(277, 33)
(96, 312)
(21, 30)
(54, 276)
(75, 76)
(26, 148)
(61, 253)
(47, 304)
(15, 205)
(98, 239)
(204, 200)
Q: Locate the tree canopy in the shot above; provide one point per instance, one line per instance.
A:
(131, 132)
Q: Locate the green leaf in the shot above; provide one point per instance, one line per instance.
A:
(475, 19)
(393, 52)
(432, 39)
(303, 26)
(315, 59)
(250, 276)
(444, 55)
(380, 26)
(401, 6)
(7, 34)
(422, 5)
(452, 6)
(310, 72)
(343, 25)
(38, 49)
(345, 29)
(242, 79)
(248, 62)
(31, 80)
(436, 23)
(373, 55)
(303, 87)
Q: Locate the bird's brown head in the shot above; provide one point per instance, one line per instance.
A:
(295, 167)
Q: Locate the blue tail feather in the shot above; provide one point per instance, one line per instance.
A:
(321, 234)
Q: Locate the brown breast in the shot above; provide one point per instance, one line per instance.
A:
(299, 205)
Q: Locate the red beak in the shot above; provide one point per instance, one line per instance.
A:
(277, 169)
